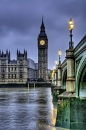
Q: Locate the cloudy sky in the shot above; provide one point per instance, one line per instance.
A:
(20, 22)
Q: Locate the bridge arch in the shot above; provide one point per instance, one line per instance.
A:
(64, 77)
(81, 78)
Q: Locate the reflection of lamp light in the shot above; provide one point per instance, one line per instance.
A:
(59, 53)
(71, 26)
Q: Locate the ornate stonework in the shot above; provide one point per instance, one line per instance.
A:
(42, 53)
(13, 71)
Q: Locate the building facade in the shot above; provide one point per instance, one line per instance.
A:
(36, 71)
(32, 70)
(13, 71)
(42, 53)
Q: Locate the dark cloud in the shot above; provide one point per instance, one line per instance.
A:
(20, 22)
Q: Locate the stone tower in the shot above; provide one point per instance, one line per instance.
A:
(42, 53)
(22, 66)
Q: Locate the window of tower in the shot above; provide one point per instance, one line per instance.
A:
(21, 76)
(3, 70)
(3, 76)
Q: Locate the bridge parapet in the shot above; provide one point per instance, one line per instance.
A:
(64, 63)
(80, 47)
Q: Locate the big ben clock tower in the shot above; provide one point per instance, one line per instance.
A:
(42, 53)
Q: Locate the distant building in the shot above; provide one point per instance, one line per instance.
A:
(32, 69)
(49, 75)
(13, 71)
(36, 71)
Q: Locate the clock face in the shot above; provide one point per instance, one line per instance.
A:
(42, 42)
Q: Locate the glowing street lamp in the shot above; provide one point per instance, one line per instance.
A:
(56, 62)
(71, 26)
(59, 53)
(54, 67)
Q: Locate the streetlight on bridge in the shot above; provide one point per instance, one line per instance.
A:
(56, 62)
(71, 26)
(59, 53)
(56, 71)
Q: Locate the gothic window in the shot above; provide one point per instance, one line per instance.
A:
(8, 76)
(21, 69)
(3, 69)
(3, 76)
(20, 61)
(21, 76)
(3, 61)
(12, 76)
(15, 68)
(8, 69)
(15, 76)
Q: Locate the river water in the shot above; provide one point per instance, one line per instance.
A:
(27, 109)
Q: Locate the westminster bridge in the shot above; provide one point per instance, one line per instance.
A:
(70, 76)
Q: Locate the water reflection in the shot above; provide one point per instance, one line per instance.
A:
(21, 109)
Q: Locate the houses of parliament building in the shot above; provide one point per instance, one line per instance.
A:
(16, 71)
(13, 71)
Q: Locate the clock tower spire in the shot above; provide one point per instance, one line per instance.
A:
(42, 28)
(42, 53)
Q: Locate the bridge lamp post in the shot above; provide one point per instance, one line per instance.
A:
(59, 53)
(55, 75)
(71, 26)
(70, 81)
(56, 63)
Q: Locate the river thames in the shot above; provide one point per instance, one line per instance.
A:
(27, 109)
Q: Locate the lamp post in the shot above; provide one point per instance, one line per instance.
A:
(71, 26)
(56, 63)
(70, 81)
(59, 70)
(59, 53)
(55, 74)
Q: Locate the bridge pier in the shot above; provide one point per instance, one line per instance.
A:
(70, 81)
(71, 113)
